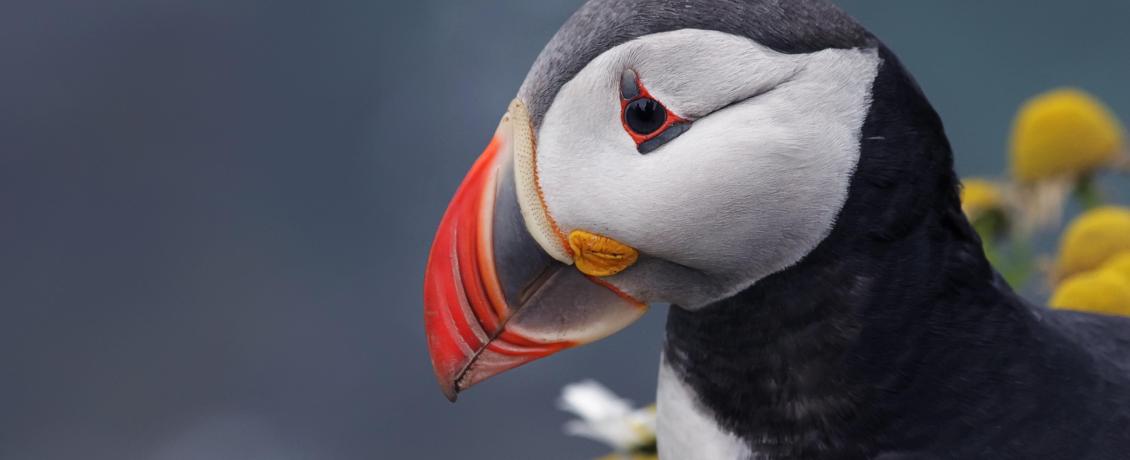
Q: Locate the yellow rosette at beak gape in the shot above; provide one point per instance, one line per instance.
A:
(1060, 139)
(1093, 267)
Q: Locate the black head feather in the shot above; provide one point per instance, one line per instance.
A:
(787, 26)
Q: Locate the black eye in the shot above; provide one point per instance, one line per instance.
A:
(645, 115)
(645, 119)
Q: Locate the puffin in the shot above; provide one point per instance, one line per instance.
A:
(770, 170)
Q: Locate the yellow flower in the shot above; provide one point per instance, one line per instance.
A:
(979, 196)
(1119, 264)
(1102, 291)
(1093, 238)
(1064, 132)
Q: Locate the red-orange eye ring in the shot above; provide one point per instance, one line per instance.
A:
(649, 123)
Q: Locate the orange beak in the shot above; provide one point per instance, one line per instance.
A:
(493, 298)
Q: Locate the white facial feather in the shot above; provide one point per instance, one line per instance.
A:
(751, 188)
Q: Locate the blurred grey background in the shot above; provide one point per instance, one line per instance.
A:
(214, 214)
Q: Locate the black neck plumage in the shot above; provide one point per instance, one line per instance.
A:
(895, 320)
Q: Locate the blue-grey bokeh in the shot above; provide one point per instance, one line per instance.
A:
(214, 214)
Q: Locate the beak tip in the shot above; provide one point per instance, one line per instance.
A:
(446, 366)
(447, 383)
(450, 392)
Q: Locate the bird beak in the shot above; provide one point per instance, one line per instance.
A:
(494, 297)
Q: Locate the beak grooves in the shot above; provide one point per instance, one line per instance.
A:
(483, 319)
(465, 308)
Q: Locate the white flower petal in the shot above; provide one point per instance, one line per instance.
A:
(592, 401)
(605, 417)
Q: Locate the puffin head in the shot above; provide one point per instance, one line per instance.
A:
(658, 152)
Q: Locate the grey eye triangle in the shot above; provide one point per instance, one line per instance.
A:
(629, 87)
